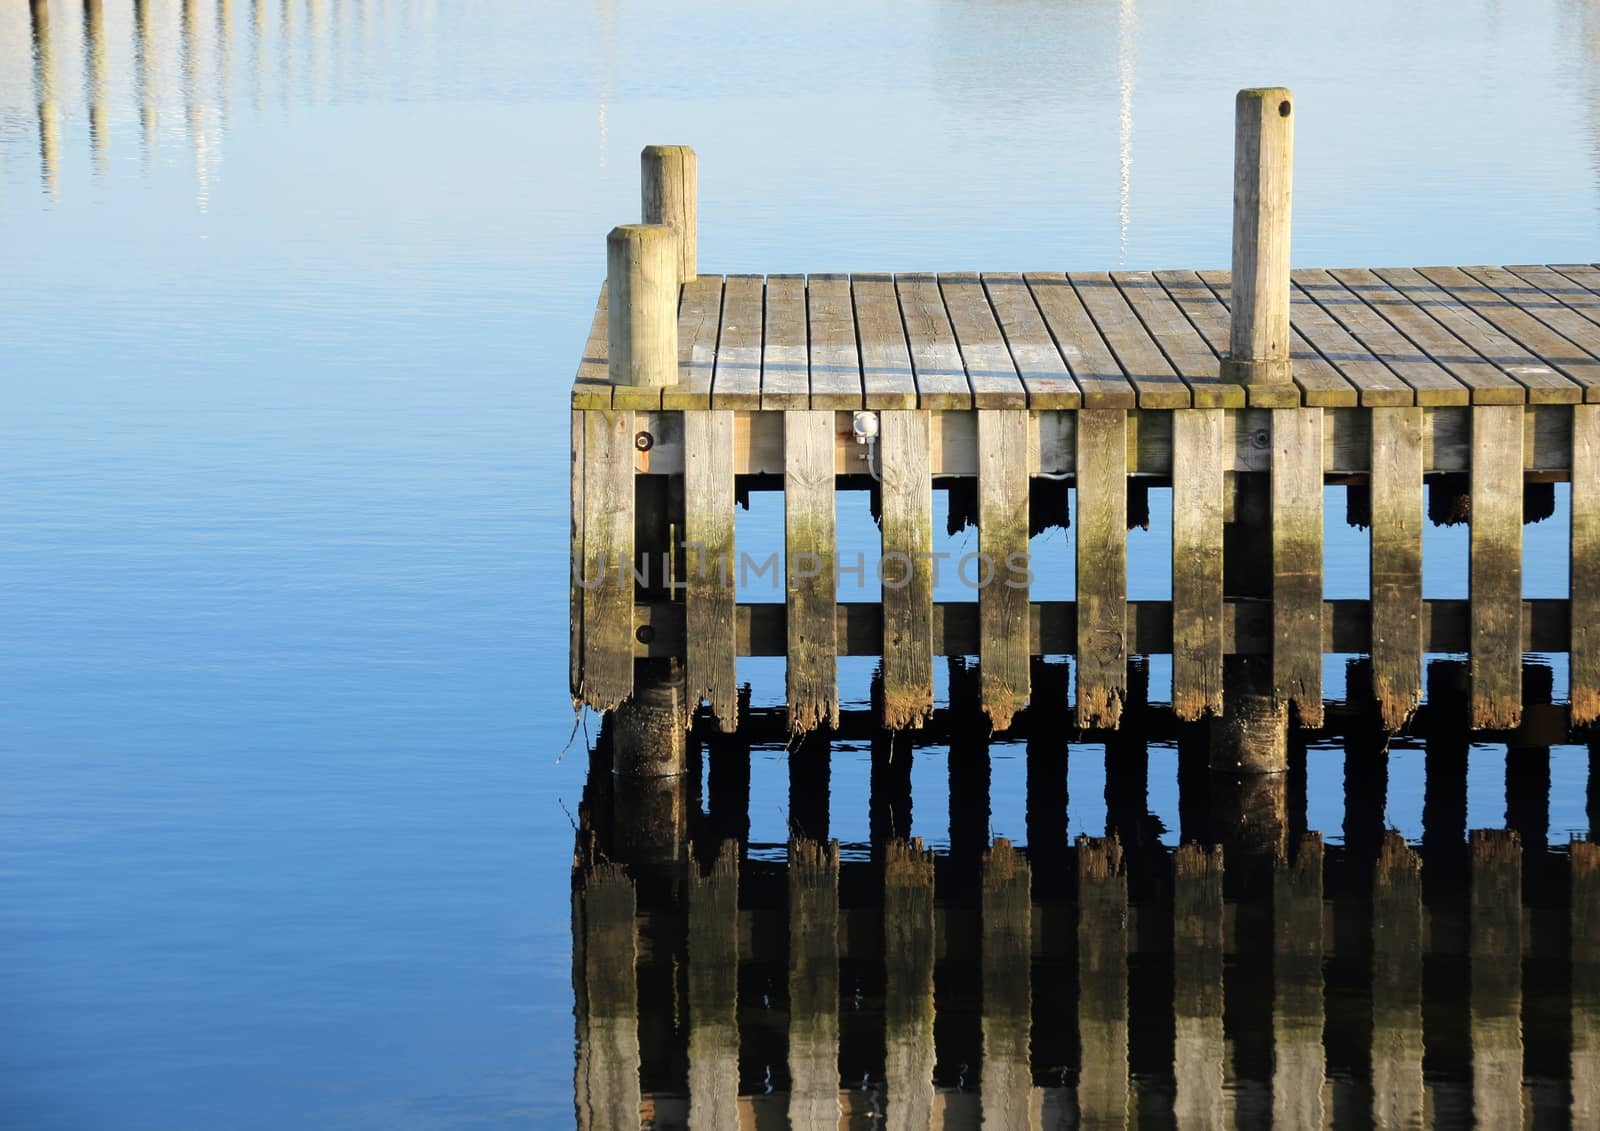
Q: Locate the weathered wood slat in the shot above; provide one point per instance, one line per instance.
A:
(1033, 351)
(1585, 565)
(907, 530)
(1197, 509)
(1585, 275)
(1318, 381)
(1189, 354)
(592, 386)
(737, 381)
(1397, 510)
(1090, 360)
(835, 360)
(935, 357)
(785, 353)
(1140, 358)
(1102, 566)
(811, 567)
(1495, 569)
(1297, 560)
(1006, 953)
(1559, 286)
(990, 370)
(1433, 385)
(1563, 318)
(813, 876)
(575, 564)
(699, 320)
(710, 563)
(606, 573)
(1003, 653)
(885, 358)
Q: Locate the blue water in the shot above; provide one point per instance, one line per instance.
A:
(284, 821)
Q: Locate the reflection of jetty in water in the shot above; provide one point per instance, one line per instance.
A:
(1250, 977)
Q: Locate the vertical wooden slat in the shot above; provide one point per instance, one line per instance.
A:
(908, 985)
(710, 649)
(1496, 566)
(814, 986)
(1297, 1010)
(907, 523)
(1197, 455)
(605, 951)
(1396, 563)
(575, 563)
(1585, 575)
(1102, 566)
(1003, 614)
(1197, 986)
(712, 983)
(608, 541)
(1495, 958)
(1297, 560)
(1007, 997)
(1585, 1003)
(1102, 983)
(1397, 985)
(809, 525)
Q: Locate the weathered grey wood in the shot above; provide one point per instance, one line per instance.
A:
(1487, 382)
(1102, 983)
(785, 352)
(809, 526)
(1396, 494)
(1199, 1048)
(1007, 997)
(1316, 382)
(737, 380)
(1044, 374)
(669, 187)
(1568, 319)
(1197, 502)
(813, 875)
(606, 574)
(885, 357)
(710, 564)
(1495, 570)
(907, 528)
(1585, 1002)
(642, 326)
(1089, 359)
(1582, 277)
(1147, 369)
(1585, 565)
(1397, 1090)
(699, 319)
(1190, 355)
(835, 360)
(1297, 560)
(1297, 1010)
(1003, 652)
(1102, 566)
(1375, 384)
(1495, 961)
(576, 565)
(605, 950)
(592, 386)
(990, 370)
(908, 934)
(712, 989)
(1263, 176)
(935, 357)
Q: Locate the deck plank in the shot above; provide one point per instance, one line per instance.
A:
(1567, 291)
(1102, 566)
(736, 383)
(990, 370)
(1044, 374)
(591, 389)
(1088, 358)
(699, 319)
(1148, 370)
(835, 359)
(1189, 354)
(886, 377)
(1495, 567)
(786, 352)
(935, 356)
(1319, 382)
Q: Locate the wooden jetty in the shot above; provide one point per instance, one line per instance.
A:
(1462, 393)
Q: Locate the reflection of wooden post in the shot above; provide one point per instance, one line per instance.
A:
(1007, 951)
(1197, 985)
(1297, 1074)
(809, 770)
(889, 807)
(669, 185)
(94, 21)
(1397, 985)
(1102, 984)
(814, 986)
(1495, 954)
(1585, 932)
(606, 992)
(1263, 166)
(45, 84)
(908, 985)
(713, 993)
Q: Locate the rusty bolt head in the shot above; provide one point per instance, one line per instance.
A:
(644, 633)
(644, 441)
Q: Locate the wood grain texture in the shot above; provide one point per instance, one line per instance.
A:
(1297, 561)
(1397, 514)
(990, 370)
(886, 374)
(1089, 359)
(575, 566)
(1297, 1011)
(1432, 385)
(736, 382)
(1102, 566)
(811, 573)
(607, 566)
(1003, 647)
(1044, 374)
(835, 359)
(1263, 178)
(785, 351)
(1495, 966)
(935, 357)
(669, 189)
(605, 953)
(1316, 382)
(1147, 369)
(1495, 569)
(1585, 565)
(1199, 1050)
(813, 875)
(710, 564)
(699, 319)
(591, 388)
(1397, 1043)
(642, 326)
(907, 532)
(1197, 508)
(1189, 353)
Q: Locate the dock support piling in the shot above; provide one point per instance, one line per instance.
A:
(669, 177)
(1263, 160)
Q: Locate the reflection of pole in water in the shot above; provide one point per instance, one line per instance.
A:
(1495, 961)
(1102, 983)
(194, 101)
(258, 47)
(1198, 1047)
(144, 78)
(712, 991)
(1297, 1010)
(1397, 1089)
(285, 36)
(1007, 916)
(44, 77)
(94, 28)
(908, 982)
(1126, 27)
(813, 985)
(224, 56)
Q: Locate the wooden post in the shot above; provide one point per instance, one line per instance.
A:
(669, 182)
(1297, 1009)
(605, 951)
(1396, 520)
(810, 585)
(1397, 1092)
(712, 981)
(908, 985)
(1495, 957)
(907, 524)
(1197, 508)
(814, 986)
(1495, 568)
(1102, 543)
(1197, 986)
(1263, 162)
(1006, 952)
(1102, 984)
(642, 289)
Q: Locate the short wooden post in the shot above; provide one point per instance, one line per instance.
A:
(642, 290)
(1263, 161)
(669, 177)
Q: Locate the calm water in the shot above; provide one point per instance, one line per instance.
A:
(290, 295)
